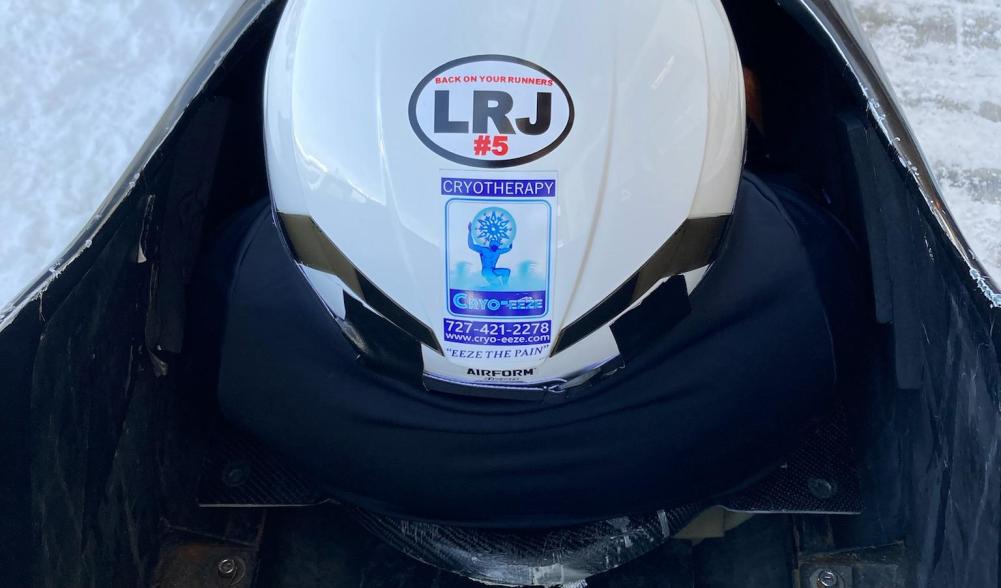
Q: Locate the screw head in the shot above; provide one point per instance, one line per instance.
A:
(227, 567)
(235, 474)
(827, 579)
(821, 488)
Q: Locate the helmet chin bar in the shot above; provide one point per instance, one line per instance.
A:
(555, 390)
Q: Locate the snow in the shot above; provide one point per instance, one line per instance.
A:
(84, 82)
(943, 58)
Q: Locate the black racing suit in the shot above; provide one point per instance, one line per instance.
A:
(716, 399)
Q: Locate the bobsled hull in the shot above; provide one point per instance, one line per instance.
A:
(103, 442)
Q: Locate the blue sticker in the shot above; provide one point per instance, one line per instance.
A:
(498, 256)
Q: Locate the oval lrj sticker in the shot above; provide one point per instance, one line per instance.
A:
(491, 111)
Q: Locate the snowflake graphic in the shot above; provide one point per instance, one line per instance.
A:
(494, 227)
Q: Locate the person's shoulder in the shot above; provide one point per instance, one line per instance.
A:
(780, 186)
(803, 207)
(790, 193)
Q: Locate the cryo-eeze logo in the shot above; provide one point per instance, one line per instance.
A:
(497, 256)
(491, 111)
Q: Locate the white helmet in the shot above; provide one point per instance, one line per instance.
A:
(501, 181)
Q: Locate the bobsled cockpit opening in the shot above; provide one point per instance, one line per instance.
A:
(111, 376)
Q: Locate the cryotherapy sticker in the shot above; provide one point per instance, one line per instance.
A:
(491, 111)
(499, 248)
(497, 255)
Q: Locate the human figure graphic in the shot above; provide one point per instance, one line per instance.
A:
(489, 254)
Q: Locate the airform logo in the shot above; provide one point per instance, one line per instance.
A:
(491, 111)
(500, 373)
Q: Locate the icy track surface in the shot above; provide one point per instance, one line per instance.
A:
(84, 81)
(944, 60)
(82, 84)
